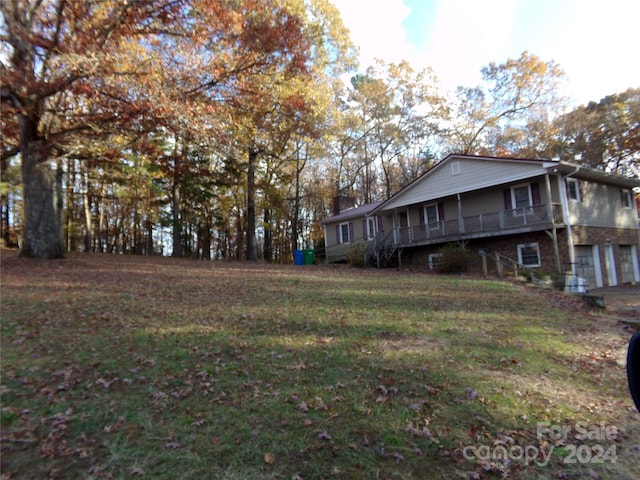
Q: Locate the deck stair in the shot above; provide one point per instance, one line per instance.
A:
(506, 266)
(380, 250)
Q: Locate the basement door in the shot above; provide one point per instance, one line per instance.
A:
(610, 260)
(629, 263)
(586, 266)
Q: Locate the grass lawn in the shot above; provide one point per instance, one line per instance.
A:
(128, 367)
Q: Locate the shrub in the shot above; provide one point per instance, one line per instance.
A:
(320, 251)
(454, 259)
(355, 257)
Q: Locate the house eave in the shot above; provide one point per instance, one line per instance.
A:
(588, 173)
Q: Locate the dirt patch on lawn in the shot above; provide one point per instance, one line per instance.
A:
(621, 301)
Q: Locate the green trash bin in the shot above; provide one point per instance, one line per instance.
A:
(308, 256)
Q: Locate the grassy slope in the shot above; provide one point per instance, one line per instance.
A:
(120, 367)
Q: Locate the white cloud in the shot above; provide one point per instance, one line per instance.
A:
(464, 36)
(376, 28)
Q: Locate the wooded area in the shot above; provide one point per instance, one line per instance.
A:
(224, 129)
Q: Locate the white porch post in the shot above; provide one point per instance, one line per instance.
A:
(562, 188)
(554, 232)
(460, 219)
(396, 223)
(326, 241)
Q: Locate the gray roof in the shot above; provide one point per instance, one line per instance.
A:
(360, 211)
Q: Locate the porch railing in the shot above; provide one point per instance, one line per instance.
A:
(536, 216)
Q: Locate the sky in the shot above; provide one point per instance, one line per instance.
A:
(596, 42)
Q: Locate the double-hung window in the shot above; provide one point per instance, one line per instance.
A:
(529, 254)
(371, 228)
(431, 215)
(573, 189)
(626, 198)
(521, 196)
(344, 231)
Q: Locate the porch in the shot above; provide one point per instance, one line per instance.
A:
(506, 222)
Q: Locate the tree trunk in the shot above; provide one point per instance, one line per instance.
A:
(40, 238)
(268, 236)
(60, 202)
(88, 217)
(102, 233)
(4, 211)
(176, 223)
(71, 182)
(296, 207)
(252, 254)
(239, 243)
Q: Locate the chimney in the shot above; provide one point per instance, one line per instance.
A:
(342, 203)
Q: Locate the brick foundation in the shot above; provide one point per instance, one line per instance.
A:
(508, 246)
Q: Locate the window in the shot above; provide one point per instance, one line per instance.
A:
(625, 198)
(573, 189)
(344, 231)
(521, 196)
(371, 228)
(529, 254)
(431, 215)
(455, 168)
(434, 260)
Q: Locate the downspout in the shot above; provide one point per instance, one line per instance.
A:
(565, 212)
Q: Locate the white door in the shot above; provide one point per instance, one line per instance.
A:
(610, 260)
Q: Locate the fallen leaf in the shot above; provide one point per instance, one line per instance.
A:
(137, 471)
(269, 458)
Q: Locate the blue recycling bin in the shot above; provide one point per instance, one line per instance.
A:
(298, 257)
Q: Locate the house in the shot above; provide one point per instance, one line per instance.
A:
(349, 231)
(550, 216)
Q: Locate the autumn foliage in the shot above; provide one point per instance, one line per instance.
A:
(223, 129)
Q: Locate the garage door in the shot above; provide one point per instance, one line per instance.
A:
(585, 265)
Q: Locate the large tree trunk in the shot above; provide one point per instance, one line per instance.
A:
(252, 253)
(40, 238)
